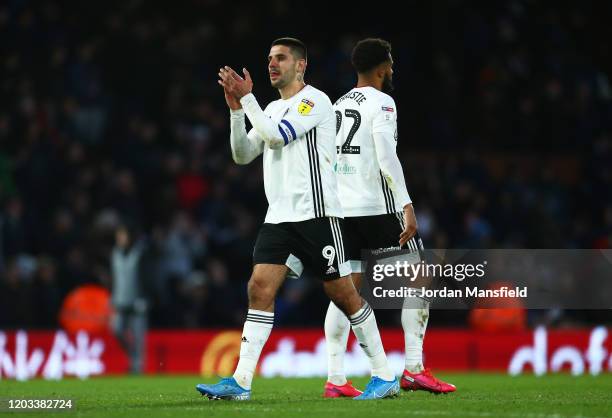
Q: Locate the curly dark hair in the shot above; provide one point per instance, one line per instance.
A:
(370, 52)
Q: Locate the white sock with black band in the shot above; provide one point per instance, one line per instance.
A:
(337, 328)
(414, 323)
(364, 326)
(257, 329)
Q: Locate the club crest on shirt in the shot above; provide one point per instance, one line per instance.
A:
(305, 107)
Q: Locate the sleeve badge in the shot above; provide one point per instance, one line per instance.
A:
(305, 107)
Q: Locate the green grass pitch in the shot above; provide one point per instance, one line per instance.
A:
(478, 395)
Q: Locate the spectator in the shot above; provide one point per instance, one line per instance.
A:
(129, 303)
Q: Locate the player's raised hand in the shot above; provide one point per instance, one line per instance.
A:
(410, 227)
(248, 79)
(225, 80)
(234, 84)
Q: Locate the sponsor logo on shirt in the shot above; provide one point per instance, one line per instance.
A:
(344, 168)
(387, 109)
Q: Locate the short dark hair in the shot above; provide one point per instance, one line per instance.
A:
(369, 53)
(298, 48)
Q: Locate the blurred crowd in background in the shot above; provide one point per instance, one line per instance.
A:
(110, 115)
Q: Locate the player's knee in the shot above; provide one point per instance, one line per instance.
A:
(343, 304)
(344, 301)
(260, 290)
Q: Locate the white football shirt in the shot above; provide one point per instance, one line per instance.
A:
(299, 177)
(363, 188)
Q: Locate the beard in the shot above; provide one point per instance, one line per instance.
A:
(387, 84)
(278, 84)
(283, 80)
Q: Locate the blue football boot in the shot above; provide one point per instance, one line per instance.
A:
(379, 389)
(227, 389)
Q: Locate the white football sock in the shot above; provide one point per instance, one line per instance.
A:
(414, 322)
(337, 328)
(257, 329)
(364, 326)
